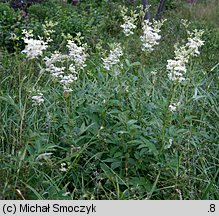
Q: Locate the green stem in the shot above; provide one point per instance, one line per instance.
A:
(166, 117)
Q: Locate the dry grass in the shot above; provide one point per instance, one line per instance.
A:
(207, 10)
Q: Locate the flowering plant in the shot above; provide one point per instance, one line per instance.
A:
(113, 58)
(151, 36)
(177, 66)
(34, 47)
(129, 21)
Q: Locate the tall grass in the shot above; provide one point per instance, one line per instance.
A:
(112, 137)
(201, 11)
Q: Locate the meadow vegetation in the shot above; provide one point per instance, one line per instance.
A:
(96, 103)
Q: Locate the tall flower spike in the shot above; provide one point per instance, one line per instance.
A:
(129, 21)
(128, 27)
(34, 48)
(48, 30)
(113, 57)
(77, 53)
(177, 67)
(150, 36)
(195, 42)
(38, 99)
(65, 68)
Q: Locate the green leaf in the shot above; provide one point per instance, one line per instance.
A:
(84, 128)
(117, 154)
(150, 145)
(115, 165)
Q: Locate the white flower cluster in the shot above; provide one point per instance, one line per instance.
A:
(77, 54)
(27, 34)
(67, 80)
(128, 27)
(66, 74)
(38, 99)
(113, 57)
(194, 42)
(150, 36)
(63, 167)
(34, 48)
(48, 29)
(129, 22)
(173, 107)
(54, 65)
(44, 156)
(177, 66)
(176, 70)
(55, 59)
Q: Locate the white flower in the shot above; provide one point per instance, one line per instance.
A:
(65, 68)
(176, 67)
(77, 54)
(48, 29)
(128, 28)
(129, 21)
(66, 81)
(55, 57)
(63, 169)
(66, 194)
(38, 99)
(182, 54)
(113, 57)
(176, 70)
(194, 44)
(56, 71)
(173, 107)
(150, 36)
(44, 156)
(154, 72)
(34, 48)
(72, 69)
(169, 144)
(27, 34)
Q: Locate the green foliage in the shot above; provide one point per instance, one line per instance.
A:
(6, 13)
(7, 21)
(211, 36)
(45, 10)
(113, 136)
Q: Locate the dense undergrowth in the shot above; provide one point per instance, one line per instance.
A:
(130, 132)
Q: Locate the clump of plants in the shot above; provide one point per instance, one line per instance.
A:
(23, 4)
(82, 122)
